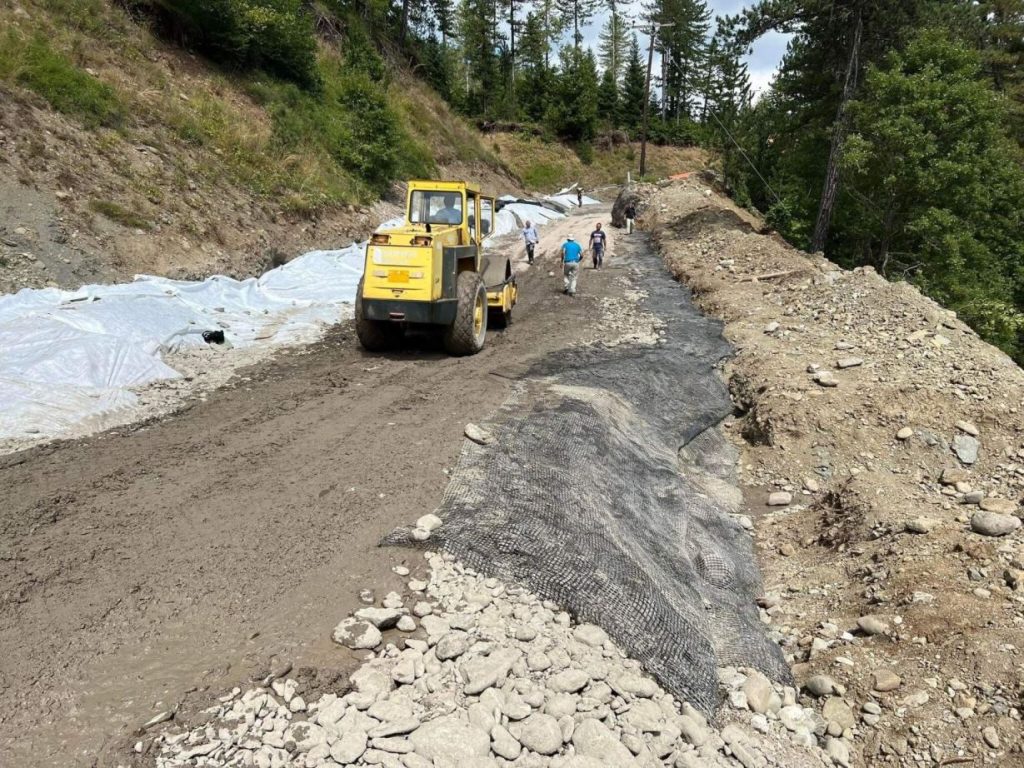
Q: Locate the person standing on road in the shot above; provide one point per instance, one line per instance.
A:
(598, 241)
(572, 255)
(630, 217)
(531, 238)
(579, 196)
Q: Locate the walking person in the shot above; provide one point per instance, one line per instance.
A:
(630, 217)
(598, 241)
(572, 255)
(579, 196)
(531, 238)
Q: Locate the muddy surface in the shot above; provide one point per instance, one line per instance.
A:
(149, 564)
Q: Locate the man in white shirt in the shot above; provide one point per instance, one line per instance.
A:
(531, 238)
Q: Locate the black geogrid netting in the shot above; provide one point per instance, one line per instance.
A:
(584, 499)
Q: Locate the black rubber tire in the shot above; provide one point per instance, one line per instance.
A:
(462, 337)
(374, 335)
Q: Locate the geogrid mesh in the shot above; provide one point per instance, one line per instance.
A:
(587, 499)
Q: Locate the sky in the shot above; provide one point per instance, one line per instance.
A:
(762, 63)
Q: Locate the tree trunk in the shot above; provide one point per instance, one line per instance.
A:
(647, 107)
(405, 21)
(830, 190)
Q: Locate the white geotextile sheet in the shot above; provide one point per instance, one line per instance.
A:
(69, 359)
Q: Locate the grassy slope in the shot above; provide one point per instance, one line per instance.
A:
(108, 74)
(544, 165)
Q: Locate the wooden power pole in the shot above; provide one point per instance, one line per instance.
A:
(652, 32)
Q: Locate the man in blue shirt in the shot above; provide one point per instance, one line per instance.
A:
(531, 238)
(572, 255)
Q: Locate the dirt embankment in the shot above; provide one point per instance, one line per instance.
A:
(883, 462)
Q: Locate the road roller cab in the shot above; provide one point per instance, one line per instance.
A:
(433, 271)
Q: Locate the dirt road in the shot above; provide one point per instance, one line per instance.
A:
(146, 565)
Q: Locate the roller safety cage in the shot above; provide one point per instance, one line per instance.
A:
(432, 271)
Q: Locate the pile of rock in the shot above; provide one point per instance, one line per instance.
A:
(494, 676)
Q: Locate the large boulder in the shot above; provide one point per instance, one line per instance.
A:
(639, 194)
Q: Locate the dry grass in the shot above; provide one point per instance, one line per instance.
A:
(544, 165)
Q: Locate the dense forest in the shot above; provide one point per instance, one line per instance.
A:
(892, 135)
(892, 138)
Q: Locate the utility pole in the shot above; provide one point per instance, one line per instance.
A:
(652, 33)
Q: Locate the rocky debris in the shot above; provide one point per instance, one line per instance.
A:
(923, 436)
(849, 362)
(507, 681)
(780, 499)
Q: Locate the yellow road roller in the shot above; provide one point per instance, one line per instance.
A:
(432, 271)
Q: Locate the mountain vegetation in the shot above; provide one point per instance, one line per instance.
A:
(891, 137)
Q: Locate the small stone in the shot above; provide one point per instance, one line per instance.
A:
(568, 681)
(452, 645)
(999, 506)
(885, 680)
(820, 685)
(974, 497)
(772, 327)
(593, 739)
(838, 711)
(968, 427)
(1013, 578)
(449, 738)
(422, 609)
(504, 744)
(905, 434)
(429, 523)
(306, 735)
(825, 379)
(780, 499)
(872, 625)
(994, 524)
(381, 618)
(590, 634)
(357, 635)
(349, 747)
(966, 448)
(401, 570)
(478, 434)
(406, 624)
(920, 525)
(954, 476)
(838, 751)
(541, 734)
(849, 362)
(759, 692)
(991, 737)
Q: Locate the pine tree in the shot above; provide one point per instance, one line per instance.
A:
(608, 100)
(572, 111)
(682, 45)
(1003, 54)
(479, 50)
(577, 13)
(614, 44)
(534, 82)
(552, 25)
(631, 103)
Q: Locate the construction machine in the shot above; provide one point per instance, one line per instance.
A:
(432, 271)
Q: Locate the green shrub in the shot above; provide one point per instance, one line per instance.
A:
(33, 64)
(273, 35)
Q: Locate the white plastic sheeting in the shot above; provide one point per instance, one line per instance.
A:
(70, 359)
(568, 197)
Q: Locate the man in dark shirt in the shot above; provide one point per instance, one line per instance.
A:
(598, 241)
(630, 217)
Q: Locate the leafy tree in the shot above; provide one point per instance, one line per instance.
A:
(480, 45)
(572, 111)
(613, 43)
(274, 35)
(936, 187)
